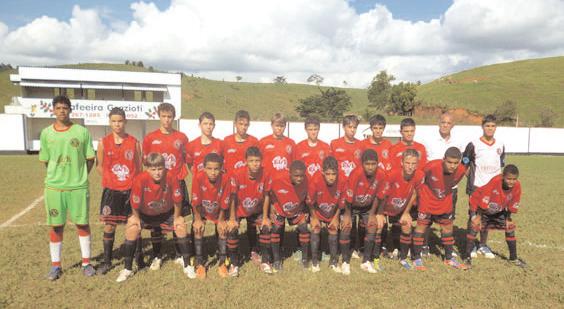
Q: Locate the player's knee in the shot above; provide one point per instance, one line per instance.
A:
(109, 228)
(316, 229)
(132, 231)
(331, 229)
(181, 230)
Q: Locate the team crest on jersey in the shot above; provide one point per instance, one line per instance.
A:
(494, 208)
(242, 187)
(239, 164)
(197, 154)
(106, 210)
(129, 155)
(121, 171)
(157, 206)
(385, 153)
(398, 202)
(200, 167)
(357, 153)
(170, 160)
(249, 204)
(231, 150)
(312, 168)
(177, 144)
(322, 154)
(260, 187)
(177, 192)
(75, 142)
(209, 206)
(53, 212)
(269, 146)
(279, 163)
(362, 199)
(396, 184)
(289, 149)
(347, 167)
(136, 199)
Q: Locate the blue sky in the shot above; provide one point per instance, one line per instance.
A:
(16, 13)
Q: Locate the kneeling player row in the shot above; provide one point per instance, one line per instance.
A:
(369, 195)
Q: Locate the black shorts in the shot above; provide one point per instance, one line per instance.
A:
(495, 221)
(279, 220)
(115, 206)
(164, 222)
(428, 219)
(186, 208)
(255, 219)
(362, 214)
(394, 219)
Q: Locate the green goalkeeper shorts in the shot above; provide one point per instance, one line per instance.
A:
(58, 202)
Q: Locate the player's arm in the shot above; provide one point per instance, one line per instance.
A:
(89, 164)
(502, 157)
(266, 210)
(196, 202)
(469, 155)
(44, 150)
(376, 213)
(89, 151)
(405, 218)
(232, 224)
(100, 158)
(138, 157)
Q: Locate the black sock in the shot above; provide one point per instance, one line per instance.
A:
(264, 242)
(369, 247)
(199, 246)
(108, 247)
(222, 249)
(252, 236)
(333, 248)
(484, 237)
(275, 245)
(129, 248)
(345, 244)
(448, 242)
(396, 232)
(139, 250)
(176, 247)
(156, 241)
(511, 244)
(315, 239)
(418, 241)
(405, 242)
(183, 244)
(233, 247)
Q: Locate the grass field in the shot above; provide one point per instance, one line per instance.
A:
(24, 262)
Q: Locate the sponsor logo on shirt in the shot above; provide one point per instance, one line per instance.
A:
(239, 164)
(398, 202)
(269, 146)
(279, 163)
(290, 207)
(282, 191)
(231, 150)
(209, 206)
(156, 142)
(121, 171)
(177, 144)
(362, 199)
(347, 167)
(326, 208)
(312, 168)
(157, 206)
(170, 160)
(339, 150)
(250, 204)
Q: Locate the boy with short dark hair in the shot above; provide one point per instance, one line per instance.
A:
(277, 150)
(312, 151)
(118, 162)
(235, 145)
(200, 147)
(377, 142)
(210, 200)
(407, 131)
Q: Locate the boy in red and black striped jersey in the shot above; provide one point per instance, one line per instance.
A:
(362, 186)
(311, 150)
(277, 150)
(203, 145)
(235, 145)
(247, 197)
(286, 201)
(394, 201)
(324, 200)
(435, 204)
(118, 162)
(491, 207)
(156, 204)
(210, 201)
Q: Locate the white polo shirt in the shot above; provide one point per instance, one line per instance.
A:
(436, 145)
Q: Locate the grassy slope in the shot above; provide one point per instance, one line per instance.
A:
(491, 284)
(533, 84)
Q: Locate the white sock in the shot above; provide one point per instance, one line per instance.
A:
(55, 248)
(85, 249)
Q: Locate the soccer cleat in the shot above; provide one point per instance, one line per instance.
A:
(377, 266)
(395, 254)
(103, 269)
(455, 264)
(255, 258)
(156, 263)
(418, 263)
(55, 273)
(425, 251)
(454, 254)
(474, 252)
(222, 271)
(201, 272)
(233, 271)
(124, 275)
(305, 264)
(190, 272)
(355, 255)
(346, 268)
(468, 262)
(487, 252)
(384, 252)
(88, 270)
(315, 268)
(140, 263)
(335, 268)
(519, 263)
(277, 266)
(367, 267)
(265, 268)
(297, 255)
(179, 260)
(406, 265)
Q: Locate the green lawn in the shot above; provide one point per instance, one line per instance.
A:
(24, 262)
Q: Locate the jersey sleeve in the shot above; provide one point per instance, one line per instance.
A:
(469, 155)
(516, 200)
(146, 146)
(176, 192)
(225, 198)
(136, 193)
(196, 194)
(88, 148)
(188, 153)
(475, 200)
(349, 193)
(502, 157)
(383, 189)
(311, 193)
(44, 147)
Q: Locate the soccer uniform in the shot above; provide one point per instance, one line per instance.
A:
(118, 169)
(234, 152)
(435, 203)
(197, 152)
(396, 154)
(277, 154)
(174, 148)
(66, 183)
(312, 156)
(484, 161)
(210, 198)
(155, 201)
(382, 149)
(288, 203)
(347, 154)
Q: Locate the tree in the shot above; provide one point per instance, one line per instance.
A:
(280, 79)
(379, 90)
(140, 64)
(329, 105)
(151, 69)
(238, 78)
(402, 98)
(506, 113)
(547, 118)
(126, 62)
(316, 78)
(345, 84)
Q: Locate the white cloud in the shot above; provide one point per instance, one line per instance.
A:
(260, 39)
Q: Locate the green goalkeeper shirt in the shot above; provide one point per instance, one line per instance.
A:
(65, 153)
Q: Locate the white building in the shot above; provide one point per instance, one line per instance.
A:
(93, 93)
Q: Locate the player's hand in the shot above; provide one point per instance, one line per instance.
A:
(135, 221)
(509, 224)
(266, 222)
(334, 224)
(232, 225)
(197, 225)
(477, 220)
(222, 228)
(406, 220)
(372, 221)
(179, 222)
(346, 224)
(380, 220)
(313, 222)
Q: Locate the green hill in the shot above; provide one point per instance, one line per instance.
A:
(533, 85)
